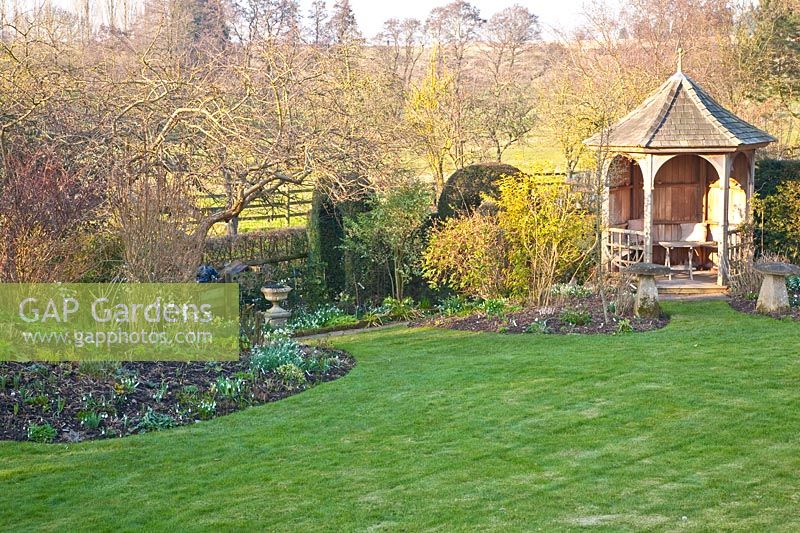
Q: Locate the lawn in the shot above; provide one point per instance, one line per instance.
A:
(691, 427)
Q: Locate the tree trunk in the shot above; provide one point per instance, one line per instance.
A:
(439, 181)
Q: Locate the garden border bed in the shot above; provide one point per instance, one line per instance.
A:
(582, 315)
(64, 402)
(748, 307)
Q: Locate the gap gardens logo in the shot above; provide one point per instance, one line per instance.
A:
(133, 322)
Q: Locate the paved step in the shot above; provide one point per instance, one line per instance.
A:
(692, 297)
(690, 290)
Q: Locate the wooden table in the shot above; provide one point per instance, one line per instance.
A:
(690, 245)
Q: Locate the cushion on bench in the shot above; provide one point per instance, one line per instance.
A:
(693, 232)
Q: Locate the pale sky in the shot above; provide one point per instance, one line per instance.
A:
(558, 14)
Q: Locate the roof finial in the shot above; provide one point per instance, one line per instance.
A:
(680, 60)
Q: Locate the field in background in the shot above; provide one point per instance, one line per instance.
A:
(537, 154)
(290, 208)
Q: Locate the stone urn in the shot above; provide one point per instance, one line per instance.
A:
(647, 305)
(276, 315)
(773, 297)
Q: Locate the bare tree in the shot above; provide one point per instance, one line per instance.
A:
(455, 27)
(342, 26)
(506, 102)
(429, 121)
(773, 47)
(267, 19)
(83, 8)
(318, 15)
(400, 46)
(509, 35)
(163, 126)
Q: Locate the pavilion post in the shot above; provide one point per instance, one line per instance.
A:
(751, 183)
(725, 178)
(648, 175)
(605, 212)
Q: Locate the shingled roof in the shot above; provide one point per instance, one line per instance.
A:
(680, 114)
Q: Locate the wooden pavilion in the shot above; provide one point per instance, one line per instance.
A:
(678, 181)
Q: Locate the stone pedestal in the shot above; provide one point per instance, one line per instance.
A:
(276, 315)
(647, 305)
(773, 296)
(647, 298)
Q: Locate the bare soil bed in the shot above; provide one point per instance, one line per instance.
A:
(574, 315)
(81, 401)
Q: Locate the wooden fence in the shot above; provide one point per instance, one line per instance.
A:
(286, 204)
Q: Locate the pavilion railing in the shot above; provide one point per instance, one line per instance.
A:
(623, 247)
(740, 252)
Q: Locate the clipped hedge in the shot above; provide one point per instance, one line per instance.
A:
(332, 265)
(778, 221)
(464, 189)
(257, 247)
(772, 172)
(325, 236)
(777, 183)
